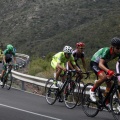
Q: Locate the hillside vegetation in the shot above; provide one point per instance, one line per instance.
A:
(38, 27)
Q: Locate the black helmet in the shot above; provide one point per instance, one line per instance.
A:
(115, 42)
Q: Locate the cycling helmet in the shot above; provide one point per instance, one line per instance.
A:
(10, 47)
(81, 44)
(67, 49)
(115, 42)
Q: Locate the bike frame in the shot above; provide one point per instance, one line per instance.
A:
(68, 79)
(113, 88)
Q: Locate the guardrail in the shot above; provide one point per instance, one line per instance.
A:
(24, 77)
(31, 79)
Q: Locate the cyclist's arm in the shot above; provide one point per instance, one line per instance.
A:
(84, 64)
(70, 65)
(102, 66)
(59, 66)
(76, 68)
(4, 59)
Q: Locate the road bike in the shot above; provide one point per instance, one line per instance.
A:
(91, 109)
(69, 90)
(7, 77)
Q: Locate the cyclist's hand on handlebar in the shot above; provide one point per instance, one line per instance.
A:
(110, 73)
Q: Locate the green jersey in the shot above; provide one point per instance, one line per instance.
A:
(104, 53)
(8, 52)
(60, 58)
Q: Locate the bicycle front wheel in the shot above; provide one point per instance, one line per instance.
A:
(89, 107)
(4, 82)
(50, 92)
(115, 105)
(9, 81)
(71, 94)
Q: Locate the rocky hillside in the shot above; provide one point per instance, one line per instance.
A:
(37, 27)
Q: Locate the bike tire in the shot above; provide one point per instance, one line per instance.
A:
(115, 104)
(4, 81)
(90, 108)
(80, 85)
(71, 94)
(9, 81)
(50, 93)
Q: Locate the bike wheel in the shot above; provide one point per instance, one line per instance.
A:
(81, 85)
(89, 107)
(71, 94)
(9, 81)
(115, 105)
(4, 81)
(50, 93)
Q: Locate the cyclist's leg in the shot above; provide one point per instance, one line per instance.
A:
(54, 66)
(101, 78)
(108, 87)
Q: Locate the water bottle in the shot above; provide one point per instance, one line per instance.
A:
(59, 84)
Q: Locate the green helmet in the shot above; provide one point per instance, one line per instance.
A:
(10, 47)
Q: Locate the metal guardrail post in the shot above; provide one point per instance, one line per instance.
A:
(23, 85)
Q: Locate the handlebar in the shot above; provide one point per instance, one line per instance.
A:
(75, 71)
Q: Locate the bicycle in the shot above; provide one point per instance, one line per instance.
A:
(69, 90)
(7, 77)
(91, 109)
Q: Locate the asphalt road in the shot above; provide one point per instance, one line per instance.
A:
(20, 105)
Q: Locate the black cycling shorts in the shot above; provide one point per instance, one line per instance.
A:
(95, 67)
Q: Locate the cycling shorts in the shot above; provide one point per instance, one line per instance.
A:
(95, 67)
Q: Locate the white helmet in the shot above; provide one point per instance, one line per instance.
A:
(67, 49)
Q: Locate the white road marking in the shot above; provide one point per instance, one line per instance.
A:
(53, 118)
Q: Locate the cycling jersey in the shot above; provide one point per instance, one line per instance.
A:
(8, 55)
(104, 53)
(8, 52)
(77, 56)
(61, 59)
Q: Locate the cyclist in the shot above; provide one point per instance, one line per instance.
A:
(60, 59)
(78, 53)
(8, 54)
(99, 65)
